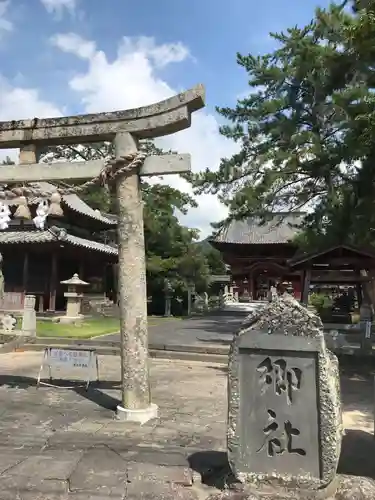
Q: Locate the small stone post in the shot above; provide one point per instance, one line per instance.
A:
(74, 299)
(136, 399)
(221, 299)
(29, 316)
(205, 298)
(168, 291)
(366, 317)
(190, 292)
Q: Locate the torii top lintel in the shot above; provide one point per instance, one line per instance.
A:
(162, 118)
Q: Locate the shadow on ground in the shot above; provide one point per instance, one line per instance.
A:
(94, 393)
(213, 467)
(357, 452)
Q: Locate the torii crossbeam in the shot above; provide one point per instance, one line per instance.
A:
(125, 128)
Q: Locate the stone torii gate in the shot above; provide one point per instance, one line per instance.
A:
(125, 128)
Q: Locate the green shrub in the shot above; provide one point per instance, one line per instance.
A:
(321, 302)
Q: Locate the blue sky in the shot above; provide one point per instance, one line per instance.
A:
(70, 56)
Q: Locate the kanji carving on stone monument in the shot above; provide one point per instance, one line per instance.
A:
(279, 439)
(278, 375)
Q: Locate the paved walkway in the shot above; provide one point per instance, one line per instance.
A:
(63, 444)
(212, 329)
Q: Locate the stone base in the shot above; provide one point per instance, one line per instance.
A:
(268, 491)
(139, 416)
(348, 488)
(67, 320)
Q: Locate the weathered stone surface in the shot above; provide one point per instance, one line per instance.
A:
(153, 165)
(192, 98)
(9, 460)
(279, 367)
(167, 474)
(157, 490)
(161, 118)
(355, 488)
(349, 488)
(101, 471)
(19, 485)
(58, 465)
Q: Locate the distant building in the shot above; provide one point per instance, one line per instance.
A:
(35, 261)
(258, 254)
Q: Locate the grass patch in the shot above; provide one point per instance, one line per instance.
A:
(86, 329)
(83, 330)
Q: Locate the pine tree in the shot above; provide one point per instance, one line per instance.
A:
(305, 132)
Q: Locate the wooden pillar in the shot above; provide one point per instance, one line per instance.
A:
(25, 272)
(81, 271)
(251, 286)
(105, 280)
(132, 287)
(53, 283)
(115, 283)
(41, 302)
(306, 286)
(358, 288)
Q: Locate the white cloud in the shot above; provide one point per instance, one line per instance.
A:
(74, 44)
(5, 25)
(58, 6)
(17, 103)
(160, 55)
(131, 80)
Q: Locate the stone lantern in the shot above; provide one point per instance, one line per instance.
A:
(74, 299)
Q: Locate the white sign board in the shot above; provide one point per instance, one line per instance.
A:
(70, 359)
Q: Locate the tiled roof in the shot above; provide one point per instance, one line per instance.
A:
(36, 236)
(73, 201)
(280, 229)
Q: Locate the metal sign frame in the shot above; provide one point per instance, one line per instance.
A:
(50, 361)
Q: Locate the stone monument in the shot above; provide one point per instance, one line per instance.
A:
(284, 414)
(74, 297)
(29, 316)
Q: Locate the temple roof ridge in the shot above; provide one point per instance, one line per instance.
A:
(278, 228)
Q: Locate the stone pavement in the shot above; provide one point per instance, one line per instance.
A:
(58, 443)
(197, 329)
(63, 443)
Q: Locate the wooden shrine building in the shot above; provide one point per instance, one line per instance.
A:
(260, 254)
(35, 261)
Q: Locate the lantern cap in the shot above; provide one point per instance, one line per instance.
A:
(74, 280)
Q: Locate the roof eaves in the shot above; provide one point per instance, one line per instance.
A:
(54, 234)
(304, 257)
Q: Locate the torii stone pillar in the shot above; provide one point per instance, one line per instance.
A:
(133, 291)
(125, 128)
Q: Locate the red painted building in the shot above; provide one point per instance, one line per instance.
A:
(258, 254)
